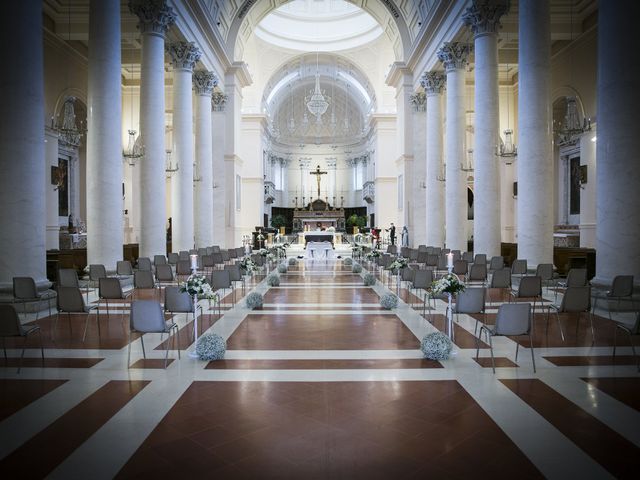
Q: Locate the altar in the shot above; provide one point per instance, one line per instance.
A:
(318, 215)
(316, 236)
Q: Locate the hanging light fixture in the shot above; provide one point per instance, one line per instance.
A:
(196, 173)
(316, 102)
(135, 148)
(507, 148)
(169, 167)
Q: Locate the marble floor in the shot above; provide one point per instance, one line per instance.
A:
(320, 383)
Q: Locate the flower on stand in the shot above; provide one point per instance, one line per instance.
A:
(373, 254)
(263, 251)
(247, 266)
(197, 286)
(450, 283)
(398, 264)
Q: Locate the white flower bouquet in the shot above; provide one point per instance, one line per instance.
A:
(197, 285)
(450, 283)
(263, 251)
(247, 266)
(398, 264)
(373, 254)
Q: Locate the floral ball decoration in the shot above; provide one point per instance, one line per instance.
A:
(293, 261)
(282, 268)
(211, 346)
(273, 280)
(357, 268)
(436, 346)
(389, 301)
(348, 261)
(369, 279)
(254, 300)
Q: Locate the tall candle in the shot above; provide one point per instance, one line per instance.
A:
(194, 262)
(450, 260)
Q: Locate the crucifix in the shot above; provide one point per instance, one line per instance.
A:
(318, 173)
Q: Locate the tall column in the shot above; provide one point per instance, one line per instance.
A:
(535, 163)
(22, 183)
(331, 168)
(416, 196)
(218, 121)
(433, 83)
(284, 171)
(155, 18)
(483, 17)
(454, 56)
(184, 56)
(617, 143)
(104, 155)
(203, 83)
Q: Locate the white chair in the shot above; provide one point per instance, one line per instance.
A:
(147, 317)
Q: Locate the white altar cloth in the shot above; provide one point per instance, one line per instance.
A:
(319, 250)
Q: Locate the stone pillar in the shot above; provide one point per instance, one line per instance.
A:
(203, 83)
(104, 153)
(51, 195)
(155, 18)
(22, 183)
(218, 121)
(483, 17)
(433, 83)
(417, 236)
(454, 56)
(184, 56)
(617, 143)
(535, 163)
(331, 168)
(284, 170)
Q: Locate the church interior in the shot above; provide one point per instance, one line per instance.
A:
(307, 239)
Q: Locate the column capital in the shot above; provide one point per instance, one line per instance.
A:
(433, 82)
(284, 162)
(154, 16)
(218, 100)
(332, 163)
(184, 55)
(454, 55)
(204, 82)
(304, 163)
(483, 16)
(418, 101)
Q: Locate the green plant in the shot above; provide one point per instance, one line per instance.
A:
(278, 221)
(356, 221)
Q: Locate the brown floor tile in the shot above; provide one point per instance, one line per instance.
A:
(321, 295)
(321, 364)
(62, 437)
(588, 360)
(615, 453)
(463, 338)
(186, 332)
(152, 363)
(623, 389)
(501, 362)
(18, 393)
(322, 332)
(50, 362)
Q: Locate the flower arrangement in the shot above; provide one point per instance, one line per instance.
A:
(388, 301)
(348, 261)
(436, 346)
(263, 251)
(450, 283)
(357, 268)
(271, 257)
(211, 346)
(373, 254)
(369, 279)
(197, 285)
(279, 251)
(254, 300)
(293, 261)
(398, 264)
(273, 280)
(282, 268)
(247, 266)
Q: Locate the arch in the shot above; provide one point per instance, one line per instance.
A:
(384, 12)
(568, 91)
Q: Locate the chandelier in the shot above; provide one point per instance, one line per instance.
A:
(134, 149)
(68, 130)
(316, 102)
(169, 167)
(507, 149)
(572, 127)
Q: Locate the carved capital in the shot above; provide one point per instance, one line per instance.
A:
(433, 82)
(154, 16)
(184, 55)
(483, 16)
(204, 82)
(332, 163)
(218, 100)
(304, 163)
(454, 55)
(419, 101)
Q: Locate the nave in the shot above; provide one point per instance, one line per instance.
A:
(321, 382)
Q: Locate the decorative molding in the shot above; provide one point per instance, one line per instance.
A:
(433, 82)
(155, 16)
(304, 163)
(454, 55)
(418, 101)
(204, 82)
(184, 55)
(483, 16)
(218, 100)
(332, 163)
